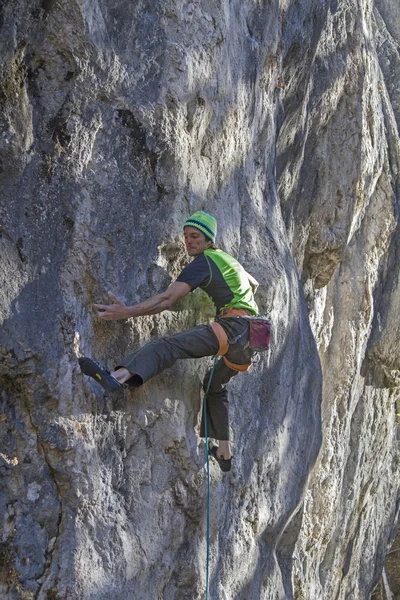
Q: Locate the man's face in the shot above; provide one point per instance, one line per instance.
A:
(195, 241)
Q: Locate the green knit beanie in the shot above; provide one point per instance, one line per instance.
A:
(204, 223)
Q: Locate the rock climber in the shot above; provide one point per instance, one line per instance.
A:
(232, 290)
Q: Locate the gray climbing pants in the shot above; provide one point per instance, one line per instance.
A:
(200, 341)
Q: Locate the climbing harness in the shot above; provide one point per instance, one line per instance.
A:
(224, 347)
(234, 312)
(208, 475)
(259, 336)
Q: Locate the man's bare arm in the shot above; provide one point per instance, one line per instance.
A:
(151, 306)
(253, 282)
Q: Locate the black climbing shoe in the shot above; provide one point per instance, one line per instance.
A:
(224, 463)
(100, 374)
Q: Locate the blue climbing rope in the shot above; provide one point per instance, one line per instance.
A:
(208, 474)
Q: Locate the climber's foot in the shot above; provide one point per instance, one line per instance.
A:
(224, 463)
(93, 369)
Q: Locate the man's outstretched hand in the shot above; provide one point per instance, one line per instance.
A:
(151, 306)
(112, 312)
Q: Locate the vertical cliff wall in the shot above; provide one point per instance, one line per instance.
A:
(118, 120)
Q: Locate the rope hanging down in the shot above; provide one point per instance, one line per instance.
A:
(208, 475)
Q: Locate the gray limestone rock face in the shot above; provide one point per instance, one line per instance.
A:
(117, 121)
(339, 189)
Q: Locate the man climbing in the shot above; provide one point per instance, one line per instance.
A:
(232, 291)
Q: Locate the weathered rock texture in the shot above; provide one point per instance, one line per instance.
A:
(119, 119)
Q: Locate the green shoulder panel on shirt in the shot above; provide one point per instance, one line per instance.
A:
(236, 278)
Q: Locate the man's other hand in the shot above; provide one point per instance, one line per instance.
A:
(112, 312)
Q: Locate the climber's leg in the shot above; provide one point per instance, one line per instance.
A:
(218, 407)
(160, 354)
